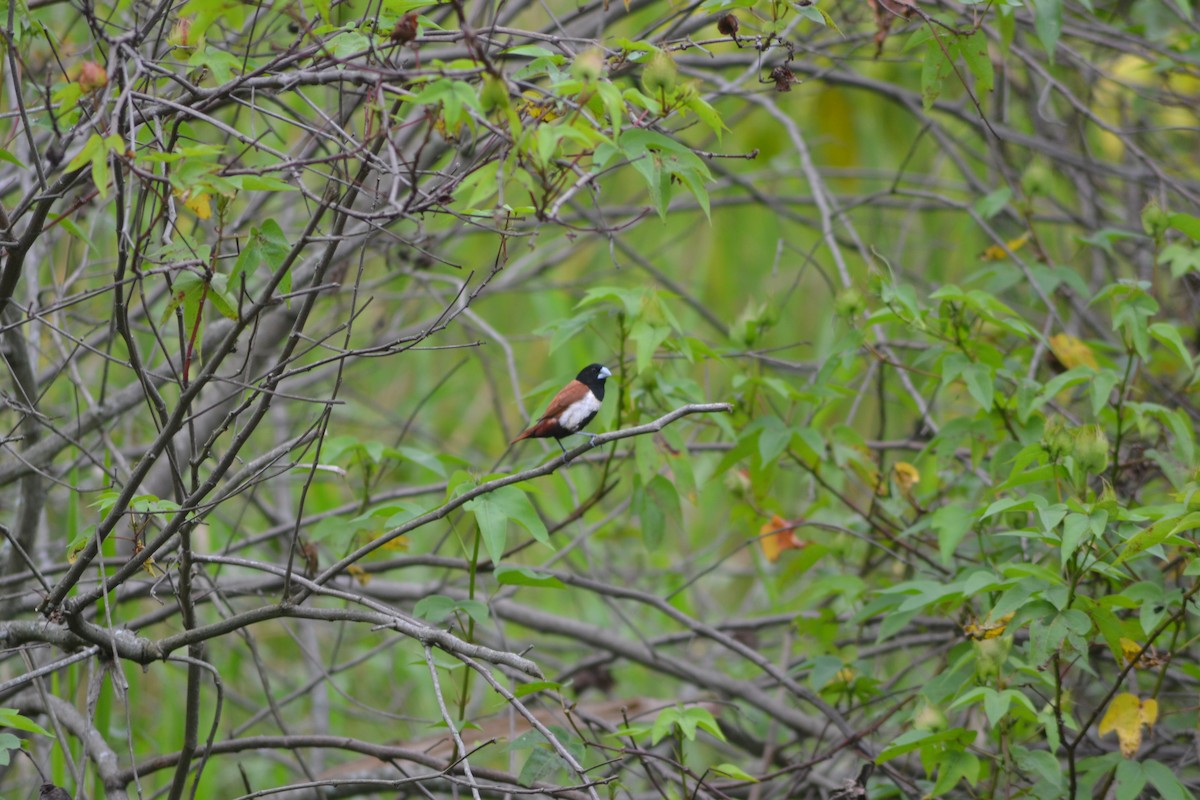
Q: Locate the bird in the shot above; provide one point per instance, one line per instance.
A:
(572, 408)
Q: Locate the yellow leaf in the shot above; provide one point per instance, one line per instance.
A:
(150, 566)
(1126, 715)
(400, 543)
(359, 574)
(1147, 660)
(1071, 352)
(197, 203)
(1150, 712)
(776, 536)
(987, 629)
(906, 475)
(538, 106)
(997, 253)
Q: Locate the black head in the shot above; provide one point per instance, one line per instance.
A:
(592, 376)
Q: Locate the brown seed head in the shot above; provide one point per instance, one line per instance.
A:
(92, 76)
(406, 28)
(783, 78)
(728, 25)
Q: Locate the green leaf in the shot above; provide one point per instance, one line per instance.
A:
(1168, 334)
(1156, 534)
(1186, 223)
(974, 50)
(811, 13)
(11, 718)
(659, 158)
(529, 51)
(1041, 763)
(186, 292)
(955, 766)
(696, 717)
(8, 743)
(222, 300)
(773, 438)
(437, 607)
(1181, 258)
(267, 247)
(91, 145)
(348, 43)
(493, 512)
(223, 64)
(614, 103)
(707, 114)
(951, 523)
(260, 183)
(655, 503)
(429, 461)
(1166, 781)
(728, 770)
(399, 7)
(981, 384)
(1047, 21)
(95, 150)
(70, 226)
(533, 687)
(934, 70)
(508, 575)
(275, 250)
(993, 203)
(541, 765)
(1131, 779)
(914, 740)
(647, 338)
(1076, 531)
(1101, 388)
(666, 721)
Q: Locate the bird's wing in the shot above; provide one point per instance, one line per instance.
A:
(571, 393)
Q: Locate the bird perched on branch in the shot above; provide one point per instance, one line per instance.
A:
(572, 408)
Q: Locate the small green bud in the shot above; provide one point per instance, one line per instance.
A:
(990, 655)
(1036, 179)
(659, 74)
(1155, 220)
(1056, 438)
(1090, 450)
(850, 303)
(930, 718)
(180, 36)
(493, 94)
(588, 65)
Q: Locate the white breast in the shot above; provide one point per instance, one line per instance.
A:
(579, 412)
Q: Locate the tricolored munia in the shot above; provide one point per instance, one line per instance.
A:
(572, 408)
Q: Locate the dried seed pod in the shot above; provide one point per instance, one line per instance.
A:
(659, 74)
(92, 76)
(728, 26)
(406, 28)
(783, 78)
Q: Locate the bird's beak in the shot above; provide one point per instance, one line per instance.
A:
(604, 373)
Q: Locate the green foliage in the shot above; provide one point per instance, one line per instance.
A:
(494, 510)
(281, 282)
